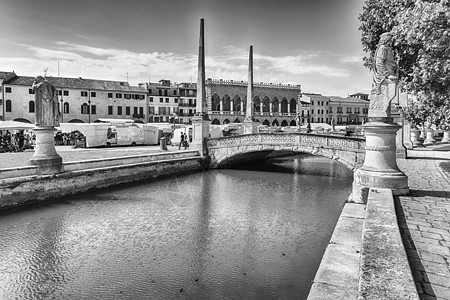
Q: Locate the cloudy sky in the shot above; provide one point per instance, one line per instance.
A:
(315, 43)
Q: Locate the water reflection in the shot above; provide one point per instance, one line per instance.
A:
(228, 234)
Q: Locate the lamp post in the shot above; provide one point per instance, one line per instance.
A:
(62, 109)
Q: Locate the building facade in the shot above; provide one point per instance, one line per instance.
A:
(274, 104)
(81, 100)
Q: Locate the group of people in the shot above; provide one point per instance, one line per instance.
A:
(184, 141)
(16, 142)
(67, 139)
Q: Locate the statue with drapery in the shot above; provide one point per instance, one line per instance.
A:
(46, 102)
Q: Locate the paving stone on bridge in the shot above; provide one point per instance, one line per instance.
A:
(424, 220)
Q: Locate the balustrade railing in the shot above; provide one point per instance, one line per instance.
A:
(305, 139)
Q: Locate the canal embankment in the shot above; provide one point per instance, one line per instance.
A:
(25, 185)
(365, 258)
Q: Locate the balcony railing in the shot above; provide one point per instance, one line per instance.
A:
(139, 116)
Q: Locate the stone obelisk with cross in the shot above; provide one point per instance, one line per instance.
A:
(380, 168)
(45, 156)
(250, 125)
(200, 121)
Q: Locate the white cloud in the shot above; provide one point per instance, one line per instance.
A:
(311, 67)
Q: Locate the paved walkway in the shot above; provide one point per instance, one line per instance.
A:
(424, 220)
(68, 153)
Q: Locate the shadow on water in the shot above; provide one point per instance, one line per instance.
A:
(304, 164)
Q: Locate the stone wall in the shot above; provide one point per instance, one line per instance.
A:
(28, 189)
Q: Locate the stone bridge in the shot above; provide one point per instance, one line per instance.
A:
(349, 151)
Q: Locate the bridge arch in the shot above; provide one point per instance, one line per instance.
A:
(346, 150)
(293, 123)
(23, 120)
(284, 123)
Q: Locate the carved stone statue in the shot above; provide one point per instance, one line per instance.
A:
(47, 107)
(384, 87)
(385, 65)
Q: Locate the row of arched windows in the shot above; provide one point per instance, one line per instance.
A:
(238, 105)
(275, 122)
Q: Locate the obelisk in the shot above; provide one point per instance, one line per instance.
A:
(200, 121)
(250, 126)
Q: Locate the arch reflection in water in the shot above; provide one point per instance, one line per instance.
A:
(230, 234)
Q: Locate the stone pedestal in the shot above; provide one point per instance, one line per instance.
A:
(45, 155)
(250, 127)
(430, 140)
(446, 137)
(415, 135)
(380, 168)
(200, 131)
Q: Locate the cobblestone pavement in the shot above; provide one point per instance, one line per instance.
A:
(424, 221)
(21, 159)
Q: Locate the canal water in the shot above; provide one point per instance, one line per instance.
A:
(253, 233)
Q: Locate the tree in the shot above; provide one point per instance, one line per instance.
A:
(422, 34)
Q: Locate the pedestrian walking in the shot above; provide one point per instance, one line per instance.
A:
(181, 140)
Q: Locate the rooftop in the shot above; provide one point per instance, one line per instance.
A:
(79, 83)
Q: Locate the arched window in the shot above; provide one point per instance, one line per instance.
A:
(66, 107)
(293, 106)
(8, 106)
(84, 109)
(31, 106)
(215, 103)
(284, 106)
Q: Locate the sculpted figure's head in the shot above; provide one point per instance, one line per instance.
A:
(39, 78)
(386, 39)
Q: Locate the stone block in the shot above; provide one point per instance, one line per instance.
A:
(322, 291)
(339, 267)
(348, 232)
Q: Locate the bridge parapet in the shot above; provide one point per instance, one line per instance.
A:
(348, 150)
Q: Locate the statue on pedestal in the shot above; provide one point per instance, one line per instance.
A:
(384, 86)
(47, 106)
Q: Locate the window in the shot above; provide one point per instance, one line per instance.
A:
(151, 99)
(59, 92)
(150, 91)
(141, 110)
(66, 93)
(127, 96)
(312, 111)
(160, 92)
(161, 100)
(84, 94)
(118, 95)
(135, 110)
(110, 95)
(174, 92)
(312, 102)
(339, 109)
(151, 110)
(141, 97)
(31, 106)
(66, 107)
(110, 110)
(8, 106)
(94, 109)
(176, 100)
(356, 110)
(93, 94)
(349, 110)
(165, 92)
(119, 110)
(84, 109)
(7, 90)
(127, 110)
(30, 91)
(167, 100)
